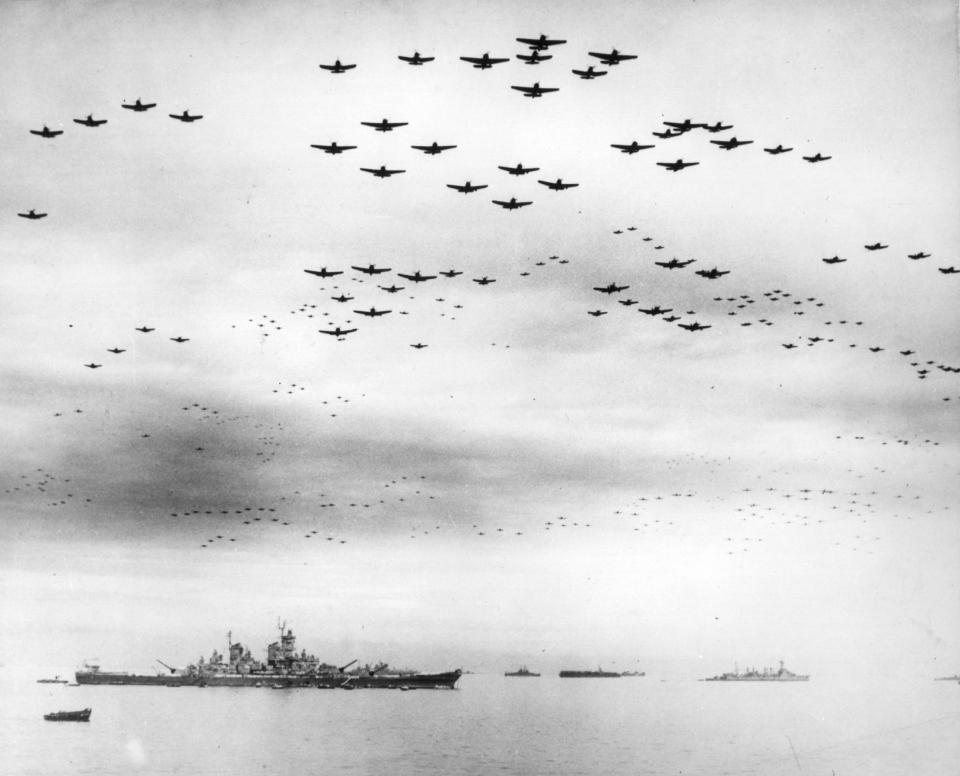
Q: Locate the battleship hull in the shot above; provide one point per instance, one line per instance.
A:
(323, 681)
(589, 675)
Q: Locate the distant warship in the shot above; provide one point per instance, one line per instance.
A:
(522, 671)
(756, 675)
(598, 674)
(283, 668)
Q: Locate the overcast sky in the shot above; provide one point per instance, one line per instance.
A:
(536, 485)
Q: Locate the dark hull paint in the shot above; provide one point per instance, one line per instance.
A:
(589, 675)
(327, 681)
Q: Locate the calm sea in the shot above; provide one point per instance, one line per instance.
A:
(489, 725)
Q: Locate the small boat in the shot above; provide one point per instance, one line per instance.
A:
(278, 687)
(69, 716)
(55, 680)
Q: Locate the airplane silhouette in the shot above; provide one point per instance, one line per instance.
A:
(518, 170)
(951, 270)
(875, 247)
(484, 281)
(729, 145)
(511, 205)
(416, 277)
(485, 62)
(145, 329)
(718, 127)
(336, 67)
(451, 273)
(612, 288)
(433, 148)
(90, 121)
(778, 150)
(418, 345)
(677, 165)
(370, 270)
(46, 132)
(384, 125)
(655, 310)
(391, 289)
(32, 215)
(342, 298)
(613, 58)
(695, 326)
(833, 260)
(138, 106)
(337, 332)
(589, 73)
(116, 350)
(668, 133)
(323, 272)
(631, 148)
(372, 312)
(179, 339)
(540, 44)
(333, 148)
(686, 125)
(920, 255)
(536, 90)
(93, 366)
(467, 187)
(383, 172)
(596, 313)
(674, 263)
(558, 185)
(712, 274)
(817, 157)
(535, 58)
(185, 117)
(416, 59)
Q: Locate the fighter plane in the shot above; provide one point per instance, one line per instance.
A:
(671, 318)
(788, 345)
(371, 270)
(833, 260)
(451, 273)
(93, 366)
(951, 270)
(632, 148)
(535, 58)
(467, 187)
(384, 125)
(180, 339)
(589, 73)
(778, 150)
(485, 62)
(613, 58)
(518, 170)
(875, 247)
(674, 263)
(33, 215)
(668, 133)
(712, 274)
(718, 127)
(418, 345)
(416, 59)
(729, 145)
(138, 106)
(558, 184)
(536, 90)
(695, 326)
(333, 148)
(920, 255)
(484, 281)
(677, 165)
(628, 302)
(685, 126)
(145, 329)
(383, 172)
(336, 67)
(116, 350)
(655, 310)
(323, 272)
(596, 313)
(337, 332)
(416, 277)
(907, 352)
(875, 349)
(90, 121)
(391, 289)
(46, 132)
(372, 312)
(433, 148)
(613, 288)
(185, 117)
(342, 298)
(817, 157)
(511, 205)
(540, 44)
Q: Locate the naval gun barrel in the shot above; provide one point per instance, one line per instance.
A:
(171, 668)
(341, 669)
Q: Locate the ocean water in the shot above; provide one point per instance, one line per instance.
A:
(488, 725)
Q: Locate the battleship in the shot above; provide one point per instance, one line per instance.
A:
(283, 668)
(522, 671)
(598, 674)
(756, 675)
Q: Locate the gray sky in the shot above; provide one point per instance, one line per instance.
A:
(537, 484)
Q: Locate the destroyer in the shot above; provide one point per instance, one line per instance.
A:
(755, 675)
(284, 667)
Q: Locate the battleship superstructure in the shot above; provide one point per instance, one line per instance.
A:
(284, 667)
(758, 675)
(522, 671)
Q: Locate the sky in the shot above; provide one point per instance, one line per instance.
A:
(537, 484)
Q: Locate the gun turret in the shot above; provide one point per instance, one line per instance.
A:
(341, 669)
(171, 668)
